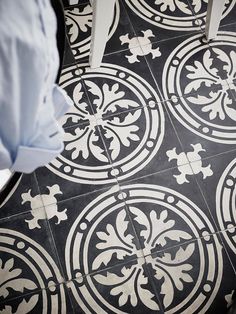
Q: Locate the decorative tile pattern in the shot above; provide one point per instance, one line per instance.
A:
(79, 26)
(137, 214)
(189, 276)
(13, 204)
(199, 8)
(28, 260)
(166, 19)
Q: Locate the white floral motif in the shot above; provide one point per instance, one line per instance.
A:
(26, 269)
(145, 49)
(78, 21)
(23, 308)
(172, 5)
(184, 167)
(217, 102)
(129, 284)
(119, 131)
(9, 281)
(175, 14)
(52, 209)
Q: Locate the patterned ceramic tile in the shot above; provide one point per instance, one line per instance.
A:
(166, 19)
(28, 259)
(120, 289)
(79, 25)
(208, 120)
(137, 214)
(52, 300)
(68, 58)
(96, 233)
(189, 65)
(228, 238)
(219, 189)
(123, 82)
(15, 203)
(199, 7)
(138, 141)
(81, 112)
(84, 165)
(167, 209)
(193, 278)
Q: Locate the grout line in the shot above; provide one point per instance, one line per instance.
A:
(225, 248)
(122, 183)
(82, 195)
(15, 216)
(205, 201)
(211, 235)
(55, 250)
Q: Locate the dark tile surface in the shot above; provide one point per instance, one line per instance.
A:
(120, 83)
(138, 141)
(68, 55)
(28, 256)
(200, 9)
(167, 209)
(207, 120)
(100, 220)
(137, 214)
(165, 19)
(81, 112)
(52, 300)
(23, 197)
(79, 26)
(219, 189)
(185, 276)
(123, 288)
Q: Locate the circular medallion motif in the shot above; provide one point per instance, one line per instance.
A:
(102, 237)
(226, 204)
(27, 267)
(202, 75)
(79, 23)
(175, 14)
(122, 102)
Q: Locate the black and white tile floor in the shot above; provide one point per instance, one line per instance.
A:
(138, 214)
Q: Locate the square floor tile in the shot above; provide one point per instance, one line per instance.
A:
(68, 58)
(228, 238)
(224, 51)
(81, 111)
(95, 233)
(167, 209)
(165, 19)
(79, 25)
(219, 189)
(138, 141)
(120, 83)
(188, 65)
(28, 256)
(84, 165)
(23, 197)
(193, 278)
(125, 288)
(205, 120)
(200, 10)
(52, 300)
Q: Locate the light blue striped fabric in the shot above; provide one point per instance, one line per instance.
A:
(30, 102)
